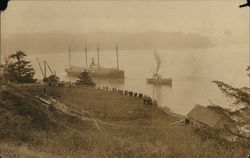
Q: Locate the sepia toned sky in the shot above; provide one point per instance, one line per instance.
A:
(204, 17)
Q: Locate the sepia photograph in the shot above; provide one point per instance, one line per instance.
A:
(125, 79)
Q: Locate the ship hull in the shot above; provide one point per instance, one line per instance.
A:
(73, 73)
(159, 81)
(114, 74)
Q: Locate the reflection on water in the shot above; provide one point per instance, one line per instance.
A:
(159, 90)
(111, 82)
(192, 72)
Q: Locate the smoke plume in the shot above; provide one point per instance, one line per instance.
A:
(158, 61)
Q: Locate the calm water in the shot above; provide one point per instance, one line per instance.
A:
(191, 70)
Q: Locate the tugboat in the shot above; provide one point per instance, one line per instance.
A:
(157, 79)
(94, 70)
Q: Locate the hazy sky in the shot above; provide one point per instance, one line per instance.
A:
(205, 17)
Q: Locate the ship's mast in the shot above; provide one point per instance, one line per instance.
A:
(98, 62)
(52, 73)
(117, 59)
(40, 67)
(86, 56)
(69, 58)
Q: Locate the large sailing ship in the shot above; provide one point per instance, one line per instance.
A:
(95, 70)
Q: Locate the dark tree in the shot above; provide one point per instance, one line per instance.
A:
(248, 69)
(85, 80)
(17, 69)
(239, 95)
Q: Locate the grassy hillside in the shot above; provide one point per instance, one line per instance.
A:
(96, 124)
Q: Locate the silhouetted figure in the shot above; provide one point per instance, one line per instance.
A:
(245, 5)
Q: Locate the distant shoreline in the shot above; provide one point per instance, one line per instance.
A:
(59, 41)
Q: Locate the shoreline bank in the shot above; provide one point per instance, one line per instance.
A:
(126, 127)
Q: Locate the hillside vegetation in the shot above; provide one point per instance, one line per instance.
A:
(85, 122)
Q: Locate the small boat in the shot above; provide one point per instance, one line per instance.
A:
(157, 79)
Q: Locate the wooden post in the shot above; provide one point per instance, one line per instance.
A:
(86, 57)
(69, 58)
(195, 118)
(98, 61)
(45, 75)
(117, 58)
